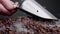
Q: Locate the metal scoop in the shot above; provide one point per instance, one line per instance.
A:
(35, 8)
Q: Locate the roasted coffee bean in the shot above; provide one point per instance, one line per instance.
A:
(28, 25)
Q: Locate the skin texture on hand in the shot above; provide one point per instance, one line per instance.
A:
(7, 7)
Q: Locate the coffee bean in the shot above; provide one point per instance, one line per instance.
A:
(28, 25)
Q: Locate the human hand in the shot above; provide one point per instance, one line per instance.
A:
(7, 7)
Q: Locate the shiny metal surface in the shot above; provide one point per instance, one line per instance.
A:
(33, 7)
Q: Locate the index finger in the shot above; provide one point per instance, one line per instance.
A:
(8, 4)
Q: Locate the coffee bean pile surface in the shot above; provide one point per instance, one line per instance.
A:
(28, 25)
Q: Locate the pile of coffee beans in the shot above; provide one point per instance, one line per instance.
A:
(28, 25)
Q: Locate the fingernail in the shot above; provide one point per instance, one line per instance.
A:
(16, 5)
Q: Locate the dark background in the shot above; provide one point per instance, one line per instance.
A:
(52, 6)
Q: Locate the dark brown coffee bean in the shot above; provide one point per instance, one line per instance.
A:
(32, 26)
